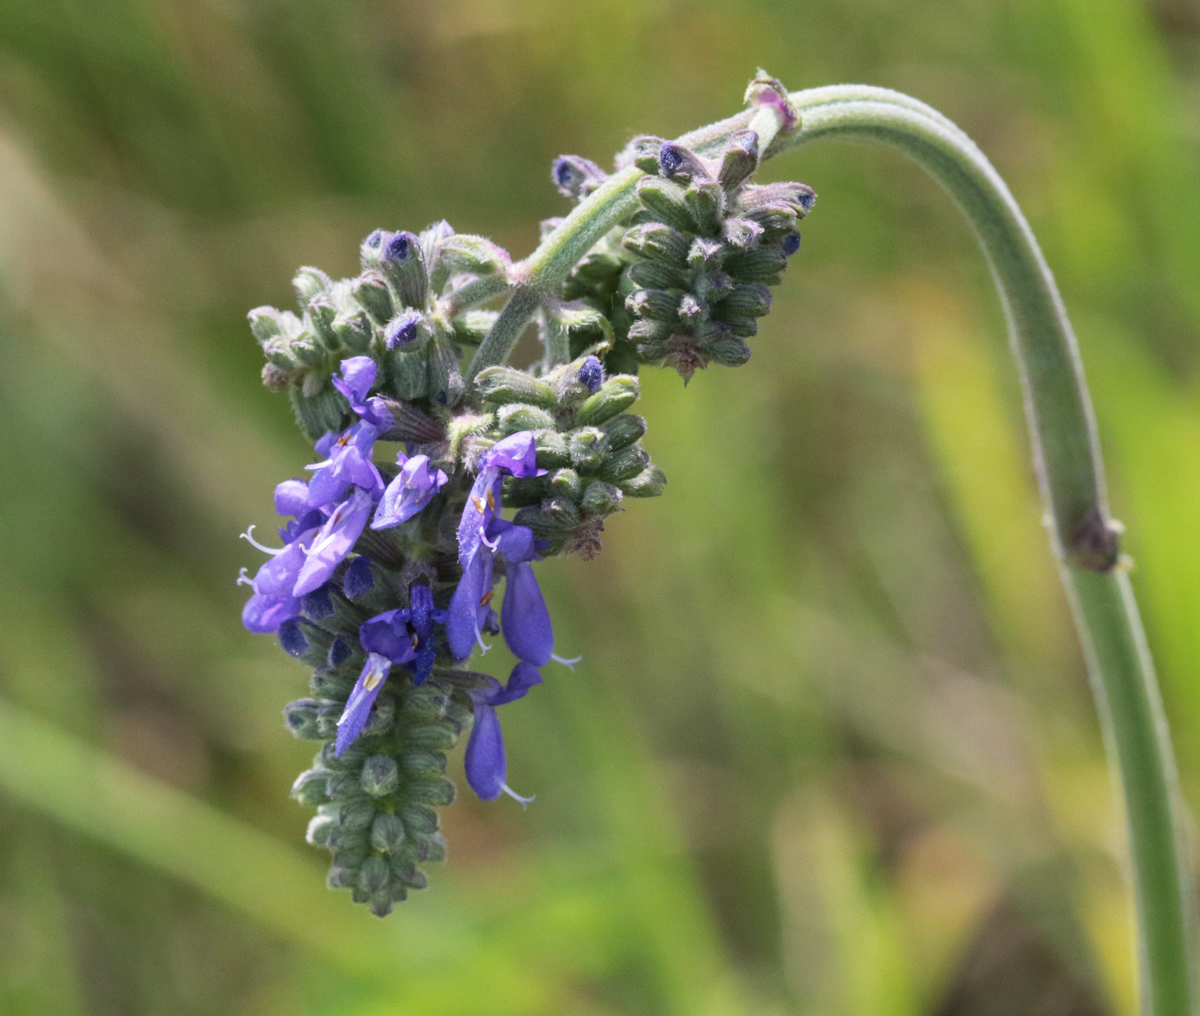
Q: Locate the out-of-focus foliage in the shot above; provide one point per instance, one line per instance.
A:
(831, 748)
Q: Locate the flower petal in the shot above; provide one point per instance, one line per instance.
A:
(485, 764)
(524, 619)
(358, 706)
(334, 541)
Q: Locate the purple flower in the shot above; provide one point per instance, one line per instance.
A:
(333, 542)
(591, 374)
(357, 377)
(411, 490)
(402, 636)
(485, 762)
(402, 329)
(516, 455)
(358, 706)
(346, 463)
(346, 459)
(525, 620)
(274, 599)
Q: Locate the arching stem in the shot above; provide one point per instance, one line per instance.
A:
(1065, 455)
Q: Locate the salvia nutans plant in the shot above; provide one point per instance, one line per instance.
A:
(439, 469)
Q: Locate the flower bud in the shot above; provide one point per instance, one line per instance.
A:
(587, 448)
(353, 331)
(729, 351)
(321, 313)
(309, 282)
(774, 220)
(355, 815)
(319, 829)
(310, 788)
(678, 163)
(624, 465)
(371, 290)
(752, 299)
(410, 373)
(374, 874)
(706, 202)
(642, 152)
(576, 177)
(380, 775)
(566, 483)
(741, 234)
(301, 719)
(507, 384)
(706, 253)
(763, 264)
(659, 242)
(617, 394)
(517, 416)
(408, 330)
(371, 248)
(657, 304)
(418, 819)
(430, 737)
(403, 264)
(656, 275)
(600, 499)
(651, 482)
(266, 323)
(623, 430)
(445, 376)
(554, 517)
(739, 160)
(664, 200)
(475, 255)
(435, 793)
(387, 832)
(552, 450)
(430, 847)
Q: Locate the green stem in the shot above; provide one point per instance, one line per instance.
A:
(1067, 460)
(1065, 453)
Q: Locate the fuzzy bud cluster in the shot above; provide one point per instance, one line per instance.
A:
(589, 446)
(400, 310)
(709, 245)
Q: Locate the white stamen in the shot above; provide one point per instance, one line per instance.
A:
(244, 579)
(569, 664)
(249, 538)
(523, 801)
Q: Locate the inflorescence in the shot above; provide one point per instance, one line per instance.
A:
(385, 576)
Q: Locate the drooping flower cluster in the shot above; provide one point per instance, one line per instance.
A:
(389, 562)
(684, 285)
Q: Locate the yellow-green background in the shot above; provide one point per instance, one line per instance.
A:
(830, 750)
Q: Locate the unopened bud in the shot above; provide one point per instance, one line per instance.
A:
(380, 775)
(371, 290)
(651, 482)
(309, 282)
(664, 200)
(616, 395)
(600, 499)
(659, 242)
(403, 264)
(739, 160)
(507, 384)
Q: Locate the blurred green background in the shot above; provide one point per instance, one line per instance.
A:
(831, 748)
